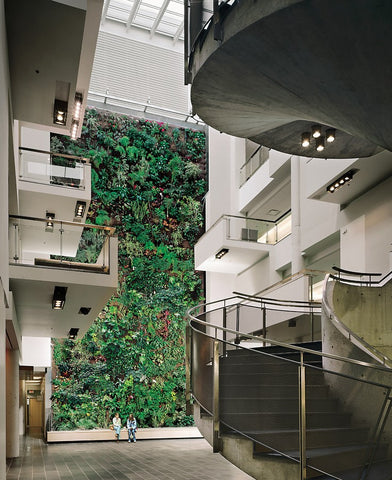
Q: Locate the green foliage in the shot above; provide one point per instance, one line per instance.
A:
(148, 181)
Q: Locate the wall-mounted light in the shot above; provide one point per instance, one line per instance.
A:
(320, 144)
(58, 300)
(305, 139)
(73, 333)
(60, 112)
(80, 208)
(316, 131)
(330, 135)
(77, 106)
(342, 180)
(221, 253)
(74, 129)
(49, 224)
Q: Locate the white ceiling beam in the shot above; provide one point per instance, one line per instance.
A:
(133, 12)
(159, 17)
(178, 32)
(105, 11)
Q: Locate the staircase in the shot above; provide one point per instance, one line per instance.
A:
(259, 398)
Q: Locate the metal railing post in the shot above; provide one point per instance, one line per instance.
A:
(216, 446)
(188, 369)
(264, 322)
(61, 240)
(16, 242)
(224, 324)
(237, 324)
(302, 417)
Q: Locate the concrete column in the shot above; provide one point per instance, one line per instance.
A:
(2, 386)
(297, 260)
(12, 403)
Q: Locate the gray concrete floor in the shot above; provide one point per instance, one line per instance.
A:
(188, 459)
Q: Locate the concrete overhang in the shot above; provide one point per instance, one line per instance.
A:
(369, 172)
(33, 288)
(241, 254)
(51, 47)
(281, 67)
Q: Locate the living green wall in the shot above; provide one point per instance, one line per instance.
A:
(148, 180)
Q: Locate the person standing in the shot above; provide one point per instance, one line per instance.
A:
(117, 425)
(131, 426)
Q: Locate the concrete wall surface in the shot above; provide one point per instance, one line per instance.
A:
(367, 312)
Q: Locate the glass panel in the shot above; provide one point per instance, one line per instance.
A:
(202, 369)
(49, 169)
(254, 230)
(58, 245)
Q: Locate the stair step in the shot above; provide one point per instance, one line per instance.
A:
(378, 471)
(289, 420)
(265, 378)
(284, 440)
(272, 391)
(227, 368)
(252, 405)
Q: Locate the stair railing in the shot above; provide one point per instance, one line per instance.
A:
(210, 343)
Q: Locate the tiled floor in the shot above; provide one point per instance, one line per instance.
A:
(190, 459)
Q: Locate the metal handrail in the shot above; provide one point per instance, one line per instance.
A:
(369, 283)
(297, 348)
(56, 154)
(348, 333)
(110, 230)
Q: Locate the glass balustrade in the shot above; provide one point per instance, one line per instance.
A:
(257, 230)
(255, 161)
(52, 169)
(59, 244)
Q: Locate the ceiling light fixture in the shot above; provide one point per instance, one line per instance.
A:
(58, 300)
(316, 131)
(80, 208)
(78, 106)
(74, 129)
(305, 140)
(49, 224)
(342, 180)
(60, 112)
(320, 144)
(330, 135)
(221, 253)
(73, 333)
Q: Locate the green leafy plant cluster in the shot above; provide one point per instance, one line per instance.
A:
(148, 180)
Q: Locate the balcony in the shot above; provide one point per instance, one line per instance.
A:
(52, 182)
(235, 243)
(47, 253)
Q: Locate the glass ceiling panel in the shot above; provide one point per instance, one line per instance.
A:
(146, 14)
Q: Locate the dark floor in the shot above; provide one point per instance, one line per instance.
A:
(189, 459)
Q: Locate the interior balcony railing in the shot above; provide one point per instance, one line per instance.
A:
(257, 230)
(329, 423)
(48, 168)
(52, 243)
(253, 163)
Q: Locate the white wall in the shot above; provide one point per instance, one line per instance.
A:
(139, 70)
(4, 145)
(226, 155)
(36, 351)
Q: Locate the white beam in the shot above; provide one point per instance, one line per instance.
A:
(105, 11)
(133, 13)
(178, 32)
(159, 17)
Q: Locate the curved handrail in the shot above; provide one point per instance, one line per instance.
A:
(348, 333)
(369, 283)
(217, 334)
(193, 318)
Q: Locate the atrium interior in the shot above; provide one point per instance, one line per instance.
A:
(295, 100)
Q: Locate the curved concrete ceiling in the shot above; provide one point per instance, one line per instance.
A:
(284, 66)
